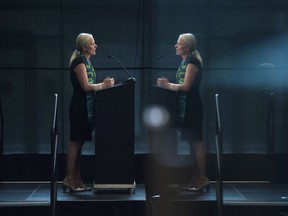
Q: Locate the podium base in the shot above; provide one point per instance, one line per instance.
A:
(108, 186)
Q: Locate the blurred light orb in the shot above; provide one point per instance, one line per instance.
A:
(156, 117)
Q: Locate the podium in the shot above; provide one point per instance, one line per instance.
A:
(163, 140)
(114, 137)
(167, 99)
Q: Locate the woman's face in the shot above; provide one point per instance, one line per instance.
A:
(181, 48)
(90, 47)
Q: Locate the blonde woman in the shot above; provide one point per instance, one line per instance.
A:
(81, 111)
(190, 112)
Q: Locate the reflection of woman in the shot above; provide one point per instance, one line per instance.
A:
(83, 79)
(188, 78)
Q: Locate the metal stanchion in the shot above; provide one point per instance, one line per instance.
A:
(1, 135)
(54, 147)
(219, 149)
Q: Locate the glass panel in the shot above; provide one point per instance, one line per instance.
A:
(236, 39)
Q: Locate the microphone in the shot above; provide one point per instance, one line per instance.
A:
(130, 76)
(157, 57)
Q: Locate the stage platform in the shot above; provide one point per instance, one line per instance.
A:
(17, 198)
(38, 193)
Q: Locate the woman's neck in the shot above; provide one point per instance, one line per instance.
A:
(184, 56)
(86, 56)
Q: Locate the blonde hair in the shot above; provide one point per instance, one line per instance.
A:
(82, 40)
(190, 41)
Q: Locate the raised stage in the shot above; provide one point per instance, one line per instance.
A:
(239, 198)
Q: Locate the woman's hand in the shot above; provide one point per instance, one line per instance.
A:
(108, 82)
(162, 82)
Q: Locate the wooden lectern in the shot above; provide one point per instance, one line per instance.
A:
(163, 142)
(114, 137)
(167, 99)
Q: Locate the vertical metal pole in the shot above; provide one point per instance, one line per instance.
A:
(271, 120)
(219, 150)
(54, 148)
(1, 138)
(271, 131)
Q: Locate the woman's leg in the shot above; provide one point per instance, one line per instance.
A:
(200, 181)
(77, 168)
(200, 158)
(73, 162)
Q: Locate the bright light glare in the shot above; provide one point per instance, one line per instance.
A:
(156, 117)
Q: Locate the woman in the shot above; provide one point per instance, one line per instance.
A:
(188, 78)
(81, 112)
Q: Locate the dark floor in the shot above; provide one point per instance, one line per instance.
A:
(33, 193)
(258, 195)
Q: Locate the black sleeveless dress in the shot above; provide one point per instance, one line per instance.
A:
(80, 129)
(190, 110)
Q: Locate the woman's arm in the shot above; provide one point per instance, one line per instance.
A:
(81, 74)
(190, 74)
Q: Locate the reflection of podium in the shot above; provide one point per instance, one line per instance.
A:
(167, 99)
(114, 137)
(164, 141)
